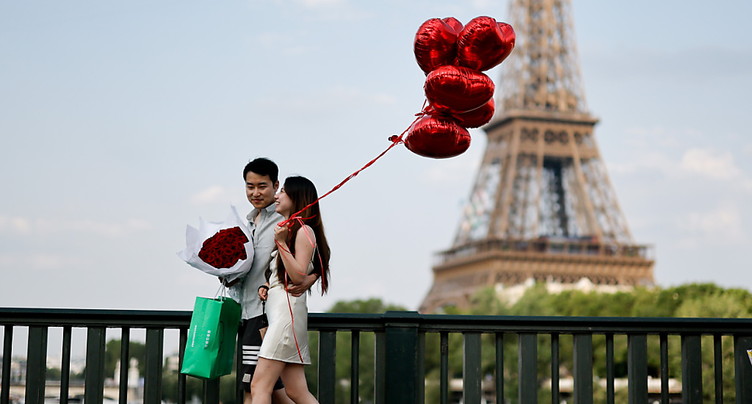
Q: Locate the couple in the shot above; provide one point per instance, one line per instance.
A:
(287, 261)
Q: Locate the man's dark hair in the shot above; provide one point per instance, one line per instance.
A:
(262, 166)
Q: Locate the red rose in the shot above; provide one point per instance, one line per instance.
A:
(225, 248)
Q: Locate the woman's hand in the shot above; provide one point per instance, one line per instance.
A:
(297, 289)
(280, 234)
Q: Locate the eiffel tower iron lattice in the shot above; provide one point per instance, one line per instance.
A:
(542, 206)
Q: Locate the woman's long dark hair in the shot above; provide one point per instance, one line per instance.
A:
(302, 192)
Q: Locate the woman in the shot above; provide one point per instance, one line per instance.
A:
(302, 249)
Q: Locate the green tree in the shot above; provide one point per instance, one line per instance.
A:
(136, 350)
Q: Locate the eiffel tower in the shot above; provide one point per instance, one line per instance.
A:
(542, 207)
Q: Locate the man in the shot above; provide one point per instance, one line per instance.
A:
(261, 184)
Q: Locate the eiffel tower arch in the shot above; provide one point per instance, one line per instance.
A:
(542, 207)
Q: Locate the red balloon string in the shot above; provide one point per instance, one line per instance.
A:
(280, 246)
(292, 322)
(296, 216)
(395, 141)
(310, 240)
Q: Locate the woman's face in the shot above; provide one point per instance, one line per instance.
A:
(283, 203)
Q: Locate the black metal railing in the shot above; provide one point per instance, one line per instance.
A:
(503, 359)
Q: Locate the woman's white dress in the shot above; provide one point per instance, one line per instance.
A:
(285, 313)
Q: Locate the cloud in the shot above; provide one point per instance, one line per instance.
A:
(322, 103)
(717, 64)
(210, 195)
(454, 170)
(483, 4)
(353, 94)
(42, 262)
(722, 225)
(650, 137)
(709, 163)
(321, 3)
(650, 161)
(17, 225)
(285, 44)
(693, 163)
(323, 10)
(42, 226)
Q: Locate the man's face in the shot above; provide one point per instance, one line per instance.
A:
(260, 190)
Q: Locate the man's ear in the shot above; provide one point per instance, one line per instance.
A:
(276, 186)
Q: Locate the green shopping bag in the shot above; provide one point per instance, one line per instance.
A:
(210, 348)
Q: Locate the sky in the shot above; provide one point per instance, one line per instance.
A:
(122, 122)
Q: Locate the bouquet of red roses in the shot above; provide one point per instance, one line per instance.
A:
(221, 249)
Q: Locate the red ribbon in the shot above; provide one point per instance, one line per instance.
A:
(296, 216)
(395, 141)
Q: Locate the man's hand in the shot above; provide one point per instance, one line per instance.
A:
(263, 292)
(298, 289)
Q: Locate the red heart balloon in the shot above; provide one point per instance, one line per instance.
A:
(477, 117)
(437, 137)
(484, 43)
(454, 23)
(435, 44)
(457, 88)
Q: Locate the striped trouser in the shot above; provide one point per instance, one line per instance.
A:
(250, 343)
(250, 360)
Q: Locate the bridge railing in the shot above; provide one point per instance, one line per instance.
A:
(503, 359)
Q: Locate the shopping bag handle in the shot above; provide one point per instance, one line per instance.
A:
(221, 292)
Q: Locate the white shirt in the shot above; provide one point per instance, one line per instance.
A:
(263, 245)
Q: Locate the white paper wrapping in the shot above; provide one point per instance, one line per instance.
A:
(195, 237)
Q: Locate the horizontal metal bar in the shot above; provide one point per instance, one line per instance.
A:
(94, 318)
(378, 322)
(328, 324)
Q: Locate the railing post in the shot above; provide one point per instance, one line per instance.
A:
(471, 373)
(743, 369)
(125, 362)
(153, 376)
(583, 368)
(402, 380)
(691, 369)
(555, 368)
(610, 368)
(65, 368)
(637, 368)
(95, 344)
(499, 368)
(379, 377)
(528, 368)
(354, 366)
(36, 366)
(211, 391)
(5, 378)
(327, 362)
(444, 368)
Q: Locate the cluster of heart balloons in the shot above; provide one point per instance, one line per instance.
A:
(459, 94)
